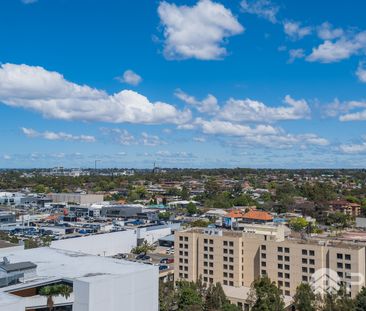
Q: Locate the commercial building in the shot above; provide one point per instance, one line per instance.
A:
(121, 210)
(98, 283)
(237, 258)
(78, 198)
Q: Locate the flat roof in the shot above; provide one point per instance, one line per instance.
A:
(55, 264)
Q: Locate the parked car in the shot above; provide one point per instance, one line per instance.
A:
(167, 260)
(143, 257)
(163, 267)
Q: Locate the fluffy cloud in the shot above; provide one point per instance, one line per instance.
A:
(354, 148)
(130, 77)
(326, 31)
(124, 137)
(57, 135)
(207, 105)
(342, 48)
(198, 31)
(361, 72)
(338, 108)
(295, 54)
(260, 135)
(251, 110)
(295, 31)
(50, 94)
(262, 8)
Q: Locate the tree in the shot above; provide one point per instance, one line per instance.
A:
(184, 194)
(166, 295)
(164, 215)
(51, 291)
(305, 299)
(298, 224)
(360, 300)
(188, 297)
(144, 248)
(215, 298)
(338, 301)
(265, 296)
(192, 208)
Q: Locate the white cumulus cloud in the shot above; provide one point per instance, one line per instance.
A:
(262, 8)
(208, 105)
(130, 77)
(252, 110)
(49, 135)
(361, 72)
(295, 31)
(49, 93)
(197, 31)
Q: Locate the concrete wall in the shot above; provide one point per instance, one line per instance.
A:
(107, 244)
(137, 291)
(151, 234)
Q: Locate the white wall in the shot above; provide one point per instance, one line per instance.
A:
(152, 235)
(137, 291)
(106, 244)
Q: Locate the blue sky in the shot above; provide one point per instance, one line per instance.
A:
(253, 83)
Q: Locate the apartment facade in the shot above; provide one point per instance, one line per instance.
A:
(237, 258)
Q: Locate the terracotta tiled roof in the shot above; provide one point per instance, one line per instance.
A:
(235, 214)
(260, 215)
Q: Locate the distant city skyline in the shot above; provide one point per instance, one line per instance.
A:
(186, 84)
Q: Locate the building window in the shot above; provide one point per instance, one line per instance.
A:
(231, 275)
(287, 250)
(225, 258)
(211, 242)
(339, 256)
(280, 257)
(304, 252)
(287, 275)
(312, 261)
(185, 253)
(287, 258)
(205, 248)
(287, 267)
(311, 253)
(205, 240)
(287, 292)
(304, 269)
(180, 238)
(339, 265)
(225, 251)
(263, 247)
(264, 272)
(263, 264)
(287, 284)
(280, 283)
(348, 266)
(304, 278)
(231, 267)
(340, 274)
(225, 282)
(280, 274)
(231, 283)
(231, 243)
(211, 264)
(211, 249)
(186, 239)
(225, 267)
(205, 256)
(211, 256)
(225, 274)
(263, 255)
(205, 263)
(231, 259)
(347, 257)
(280, 249)
(231, 251)
(311, 270)
(225, 243)
(304, 260)
(280, 266)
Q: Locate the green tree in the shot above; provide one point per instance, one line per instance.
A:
(51, 291)
(192, 208)
(166, 295)
(164, 215)
(360, 300)
(188, 297)
(144, 248)
(265, 296)
(298, 224)
(305, 299)
(215, 298)
(184, 194)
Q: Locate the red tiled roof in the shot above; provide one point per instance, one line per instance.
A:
(235, 214)
(260, 215)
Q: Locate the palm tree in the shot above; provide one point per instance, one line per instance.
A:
(55, 290)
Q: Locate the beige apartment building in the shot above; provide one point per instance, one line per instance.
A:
(237, 258)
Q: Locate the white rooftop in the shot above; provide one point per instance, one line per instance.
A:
(60, 264)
